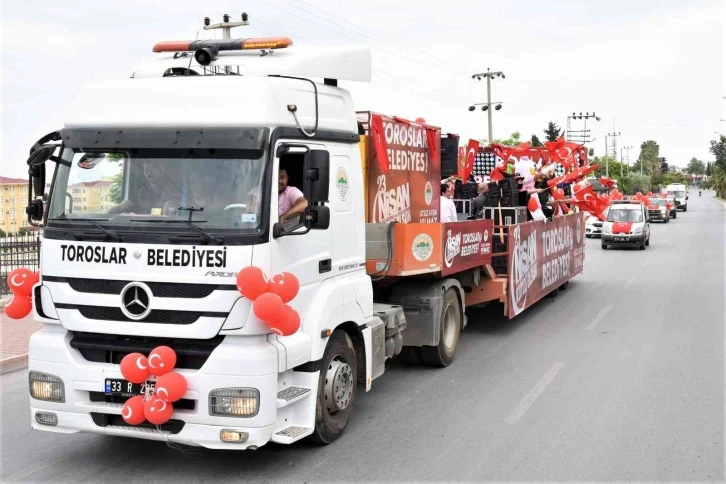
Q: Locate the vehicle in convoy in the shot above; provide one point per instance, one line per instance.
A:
(658, 210)
(680, 192)
(671, 204)
(627, 224)
(593, 225)
(183, 192)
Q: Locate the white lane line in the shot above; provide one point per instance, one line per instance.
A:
(533, 394)
(603, 312)
(630, 280)
(645, 263)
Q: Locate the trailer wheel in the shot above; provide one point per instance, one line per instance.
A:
(336, 388)
(564, 286)
(444, 353)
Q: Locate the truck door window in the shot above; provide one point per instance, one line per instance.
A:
(291, 201)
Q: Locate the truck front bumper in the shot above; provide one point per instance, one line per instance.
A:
(236, 363)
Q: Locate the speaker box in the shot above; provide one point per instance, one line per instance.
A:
(509, 215)
(449, 156)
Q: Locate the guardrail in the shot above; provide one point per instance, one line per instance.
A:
(18, 251)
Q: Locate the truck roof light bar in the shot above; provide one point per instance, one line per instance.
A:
(221, 45)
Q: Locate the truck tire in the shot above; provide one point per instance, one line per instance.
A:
(564, 286)
(336, 388)
(685, 209)
(604, 246)
(443, 354)
(674, 214)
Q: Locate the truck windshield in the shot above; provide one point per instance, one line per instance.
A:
(625, 215)
(131, 187)
(680, 194)
(658, 201)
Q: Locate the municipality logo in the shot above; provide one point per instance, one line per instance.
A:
(341, 183)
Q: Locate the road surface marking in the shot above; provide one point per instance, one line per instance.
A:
(533, 394)
(629, 282)
(645, 263)
(603, 312)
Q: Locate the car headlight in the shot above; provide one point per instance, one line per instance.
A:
(606, 229)
(662, 209)
(638, 230)
(234, 402)
(46, 387)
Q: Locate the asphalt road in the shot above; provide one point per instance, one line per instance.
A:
(619, 378)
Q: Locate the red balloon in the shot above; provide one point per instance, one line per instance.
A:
(251, 282)
(157, 411)
(285, 285)
(135, 368)
(21, 281)
(532, 205)
(288, 324)
(558, 194)
(171, 387)
(18, 307)
(133, 410)
(162, 360)
(268, 308)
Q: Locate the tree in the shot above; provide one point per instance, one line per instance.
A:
(649, 151)
(709, 168)
(513, 140)
(718, 180)
(696, 167)
(552, 132)
(591, 152)
(536, 141)
(663, 166)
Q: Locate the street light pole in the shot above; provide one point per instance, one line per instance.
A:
(622, 161)
(488, 106)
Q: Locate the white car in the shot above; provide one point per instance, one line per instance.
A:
(593, 225)
(627, 224)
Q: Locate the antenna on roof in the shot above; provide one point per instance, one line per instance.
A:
(226, 25)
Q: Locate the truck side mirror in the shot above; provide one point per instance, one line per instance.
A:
(319, 217)
(317, 175)
(35, 210)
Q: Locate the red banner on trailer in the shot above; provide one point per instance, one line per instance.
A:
(542, 257)
(466, 244)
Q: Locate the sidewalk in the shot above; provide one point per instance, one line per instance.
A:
(14, 336)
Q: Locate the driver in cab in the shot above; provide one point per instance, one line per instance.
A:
(291, 201)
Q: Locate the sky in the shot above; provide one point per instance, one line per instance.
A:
(649, 69)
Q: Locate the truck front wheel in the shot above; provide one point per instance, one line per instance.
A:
(444, 353)
(336, 388)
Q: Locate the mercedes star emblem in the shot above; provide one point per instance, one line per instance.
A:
(135, 301)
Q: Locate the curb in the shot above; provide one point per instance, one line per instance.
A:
(13, 363)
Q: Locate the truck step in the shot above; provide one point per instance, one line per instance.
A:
(291, 434)
(291, 395)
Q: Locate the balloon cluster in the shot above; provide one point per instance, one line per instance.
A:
(170, 386)
(270, 297)
(21, 282)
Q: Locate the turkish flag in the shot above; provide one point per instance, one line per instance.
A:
(622, 227)
(586, 199)
(379, 141)
(433, 140)
(468, 165)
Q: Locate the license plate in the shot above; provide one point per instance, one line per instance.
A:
(621, 239)
(122, 388)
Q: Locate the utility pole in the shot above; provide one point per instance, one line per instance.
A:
(581, 136)
(622, 161)
(614, 136)
(488, 105)
(226, 27)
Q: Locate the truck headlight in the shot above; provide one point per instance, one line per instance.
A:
(234, 402)
(46, 387)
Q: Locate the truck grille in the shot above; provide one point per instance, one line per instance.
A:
(158, 289)
(157, 316)
(110, 348)
(108, 420)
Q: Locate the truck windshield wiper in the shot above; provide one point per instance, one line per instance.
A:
(94, 222)
(210, 237)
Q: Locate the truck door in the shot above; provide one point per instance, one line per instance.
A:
(307, 255)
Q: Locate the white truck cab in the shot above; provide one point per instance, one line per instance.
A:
(627, 224)
(166, 185)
